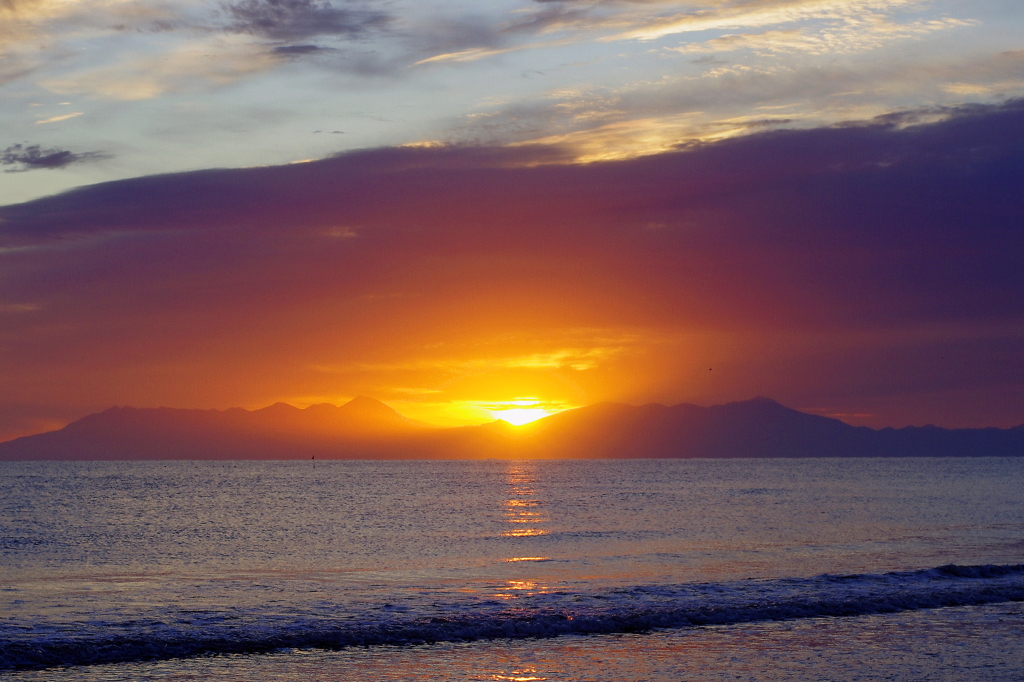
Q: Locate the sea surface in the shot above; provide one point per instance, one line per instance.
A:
(803, 569)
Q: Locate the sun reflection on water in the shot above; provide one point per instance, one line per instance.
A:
(525, 515)
(524, 532)
(514, 589)
(522, 507)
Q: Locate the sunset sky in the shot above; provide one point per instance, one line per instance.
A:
(462, 207)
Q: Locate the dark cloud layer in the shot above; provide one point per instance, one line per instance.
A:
(302, 19)
(32, 157)
(299, 50)
(927, 209)
(874, 268)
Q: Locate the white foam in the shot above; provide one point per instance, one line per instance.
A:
(640, 608)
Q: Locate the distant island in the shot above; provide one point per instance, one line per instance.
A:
(368, 429)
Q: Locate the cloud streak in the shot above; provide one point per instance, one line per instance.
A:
(62, 117)
(845, 39)
(761, 14)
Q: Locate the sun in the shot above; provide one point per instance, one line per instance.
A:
(519, 416)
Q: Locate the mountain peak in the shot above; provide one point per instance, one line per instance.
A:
(278, 408)
(364, 400)
(759, 403)
(368, 407)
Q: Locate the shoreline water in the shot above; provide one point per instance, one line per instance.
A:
(978, 643)
(641, 608)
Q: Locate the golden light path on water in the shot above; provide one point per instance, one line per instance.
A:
(523, 512)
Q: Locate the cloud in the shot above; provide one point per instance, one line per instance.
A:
(847, 38)
(134, 46)
(14, 308)
(760, 14)
(842, 266)
(470, 55)
(34, 157)
(726, 97)
(375, 40)
(303, 19)
(217, 61)
(818, 26)
(300, 50)
(47, 25)
(559, 358)
(63, 117)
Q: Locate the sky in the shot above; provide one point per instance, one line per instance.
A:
(463, 207)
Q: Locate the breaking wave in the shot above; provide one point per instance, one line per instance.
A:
(634, 609)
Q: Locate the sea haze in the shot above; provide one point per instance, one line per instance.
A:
(128, 566)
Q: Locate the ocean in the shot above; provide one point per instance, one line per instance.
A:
(619, 570)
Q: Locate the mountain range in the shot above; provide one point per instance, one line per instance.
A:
(368, 429)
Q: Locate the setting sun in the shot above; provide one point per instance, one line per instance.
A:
(520, 416)
(520, 411)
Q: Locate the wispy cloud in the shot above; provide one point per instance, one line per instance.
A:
(726, 98)
(34, 157)
(579, 359)
(760, 14)
(303, 19)
(62, 117)
(602, 78)
(219, 61)
(470, 55)
(401, 37)
(16, 308)
(843, 39)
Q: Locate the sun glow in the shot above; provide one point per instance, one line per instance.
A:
(520, 416)
(520, 411)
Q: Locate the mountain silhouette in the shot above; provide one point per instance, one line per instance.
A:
(759, 427)
(280, 431)
(365, 428)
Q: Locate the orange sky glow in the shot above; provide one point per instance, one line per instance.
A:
(860, 279)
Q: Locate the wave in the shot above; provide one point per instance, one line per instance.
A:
(634, 609)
